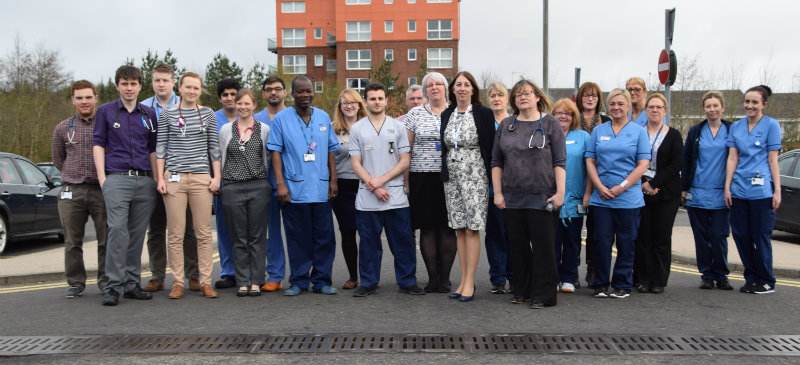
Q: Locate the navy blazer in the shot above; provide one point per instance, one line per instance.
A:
(484, 123)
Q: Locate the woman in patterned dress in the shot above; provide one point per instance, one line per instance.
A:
(468, 132)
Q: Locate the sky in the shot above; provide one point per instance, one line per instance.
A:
(610, 40)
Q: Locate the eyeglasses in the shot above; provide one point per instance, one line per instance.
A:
(349, 103)
(269, 90)
(590, 96)
(435, 84)
(526, 94)
(656, 107)
(568, 114)
(634, 90)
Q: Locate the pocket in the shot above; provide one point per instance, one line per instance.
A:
(294, 177)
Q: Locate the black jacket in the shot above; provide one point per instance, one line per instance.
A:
(690, 152)
(668, 166)
(484, 123)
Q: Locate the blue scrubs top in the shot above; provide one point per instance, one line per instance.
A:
(153, 103)
(307, 180)
(753, 149)
(616, 156)
(263, 117)
(641, 120)
(576, 142)
(707, 191)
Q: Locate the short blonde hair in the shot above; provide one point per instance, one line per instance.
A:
(497, 86)
(569, 106)
(616, 92)
(637, 80)
(658, 96)
(713, 94)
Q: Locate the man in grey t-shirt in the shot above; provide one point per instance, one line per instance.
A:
(380, 152)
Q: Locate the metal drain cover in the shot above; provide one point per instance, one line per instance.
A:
(586, 344)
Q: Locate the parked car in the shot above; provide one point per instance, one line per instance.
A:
(51, 171)
(787, 218)
(28, 201)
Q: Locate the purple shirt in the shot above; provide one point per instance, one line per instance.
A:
(128, 146)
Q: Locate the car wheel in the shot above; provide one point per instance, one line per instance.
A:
(3, 233)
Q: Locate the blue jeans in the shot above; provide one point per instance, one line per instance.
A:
(397, 223)
(612, 224)
(276, 256)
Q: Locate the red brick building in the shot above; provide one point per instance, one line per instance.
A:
(344, 39)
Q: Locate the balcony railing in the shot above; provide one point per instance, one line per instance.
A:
(330, 39)
(272, 45)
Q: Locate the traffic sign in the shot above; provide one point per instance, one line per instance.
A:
(667, 67)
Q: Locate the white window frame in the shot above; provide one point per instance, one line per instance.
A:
(317, 33)
(412, 50)
(388, 1)
(318, 60)
(436, 60)
(360, 62)
(355, 31)
(412, 1)
(297, 65)
(318, 87)
(439, 29)
(291, 39)
(357, 2)
(362, 84)
(388, 26)
(388, 54)
(412, 26)
(288, 7)
(412, 80)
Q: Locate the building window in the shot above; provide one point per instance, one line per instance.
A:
(317, 86)
(388, 26)
(440, 29)
(412, 54)
(294, 64)
(293, 7)
(412, 1)
(440, 57)
(294, 37)
(318, 60)
(388, 54)
(357, 2)
(359, 59)
(317, 33)
(412, 26)
(387, 1)
(412, 81)
(358, 31)
(357, 84)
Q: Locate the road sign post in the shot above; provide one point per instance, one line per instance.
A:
(669, 27)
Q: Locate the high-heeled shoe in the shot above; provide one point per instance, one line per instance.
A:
(454, 296)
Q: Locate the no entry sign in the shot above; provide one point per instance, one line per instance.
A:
(667, 67)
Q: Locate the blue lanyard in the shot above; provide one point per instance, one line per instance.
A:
(157, 106)
(653, 145)
(306, 127)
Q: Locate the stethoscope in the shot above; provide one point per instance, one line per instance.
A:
(182, 121)
(148, 124)
(539, 128)
(71, 128)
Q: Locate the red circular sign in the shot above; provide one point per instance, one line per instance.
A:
(663, 66)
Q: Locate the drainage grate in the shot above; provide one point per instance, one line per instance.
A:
(587, 344)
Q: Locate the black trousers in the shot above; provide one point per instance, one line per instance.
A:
(531, 234)
(654, 243)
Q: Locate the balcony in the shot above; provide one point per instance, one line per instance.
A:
(331, 67)
(330, 39)
(272, 45)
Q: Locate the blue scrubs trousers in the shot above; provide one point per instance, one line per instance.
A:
(568, 246)
(710, 228)
(276, 257)
(497, 246)
(397, 223)
(223, 240)
(610, 224)
(752, 222)
(310, 242)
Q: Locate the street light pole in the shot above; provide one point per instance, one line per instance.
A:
(544, 52)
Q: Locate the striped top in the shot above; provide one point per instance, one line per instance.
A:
(190, 146)
(426, 155)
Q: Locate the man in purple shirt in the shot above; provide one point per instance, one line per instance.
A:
(124, 147)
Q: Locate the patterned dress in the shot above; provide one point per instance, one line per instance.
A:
(466, 192)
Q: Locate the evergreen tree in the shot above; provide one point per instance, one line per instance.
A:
(395, 93)
(220, 67)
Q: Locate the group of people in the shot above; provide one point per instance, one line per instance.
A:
(451, 167)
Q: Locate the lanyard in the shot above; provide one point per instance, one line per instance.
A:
(305, 128)
(148, 124)
(460, 120)
(653, 145)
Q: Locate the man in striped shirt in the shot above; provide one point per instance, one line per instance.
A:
(80, 195)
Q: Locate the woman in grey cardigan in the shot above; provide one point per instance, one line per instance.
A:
(245, 193)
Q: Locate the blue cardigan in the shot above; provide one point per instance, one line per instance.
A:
(690, 152)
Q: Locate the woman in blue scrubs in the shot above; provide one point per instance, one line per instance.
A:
(616, 157)
(703, 181)
(752, 188)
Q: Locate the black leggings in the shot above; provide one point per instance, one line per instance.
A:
(438, 246)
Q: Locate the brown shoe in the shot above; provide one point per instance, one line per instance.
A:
(153, 285)
(194, 284)
(271, 286)
(349, 284)
(176, 293)
(207, 291)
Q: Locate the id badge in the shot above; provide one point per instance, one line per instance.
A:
(312, 146)
(581, 209)
(688, 196)
(174, 178)
(309, 157)
(605, 138)
(438, 146)
(757, 181)
(454, 156)
(650, 173)
(66, 195)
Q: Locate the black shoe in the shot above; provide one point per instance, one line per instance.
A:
(657, 290)
(724, 284)
(536, 304)
(454, 295)
(499, 289)
(619, 293)
(363, 291)
(430, 288)
(748, 288)
(519, 300)
(413, 290)
(510, 289)
(73, 292)
(102, 285)
(763, 289)
(137, 293)
(706, 284)
(110, 297)
(643, 288)
(600, 292)
(225, 281)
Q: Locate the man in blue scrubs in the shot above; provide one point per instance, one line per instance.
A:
(380, 152)
(274, 91)
(302, 142)
(226, 91)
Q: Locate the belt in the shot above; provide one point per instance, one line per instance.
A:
(130, 173)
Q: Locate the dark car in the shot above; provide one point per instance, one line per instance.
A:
(52, 172)
(787, 217)
(28, 201)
